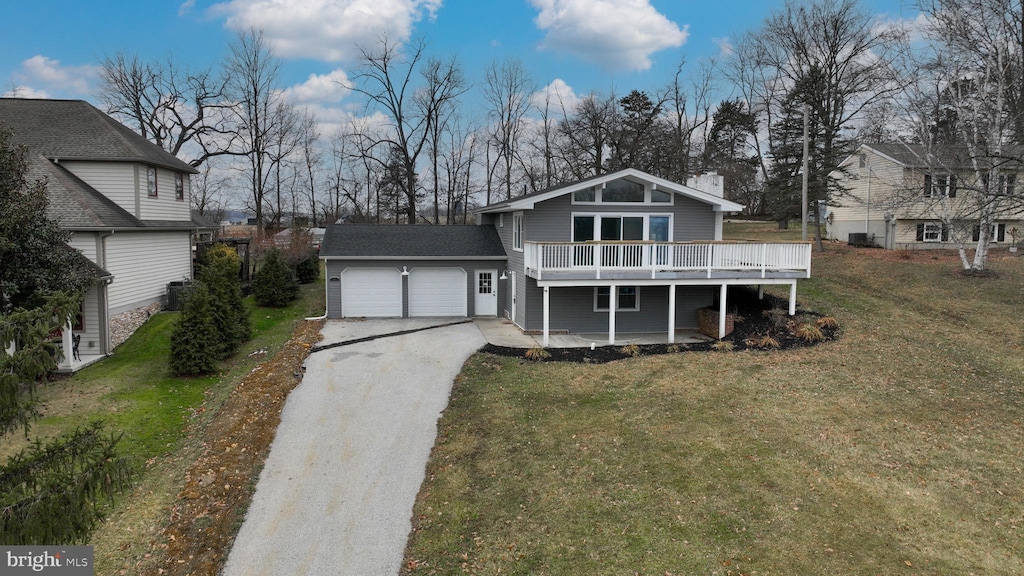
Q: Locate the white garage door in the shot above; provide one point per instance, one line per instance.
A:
(371, 292)
(437, 292)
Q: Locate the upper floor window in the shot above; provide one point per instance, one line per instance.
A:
(179, 186)
(621, 191)
(517, 231)
(939, 186)
(1006, 183)
(151, 181)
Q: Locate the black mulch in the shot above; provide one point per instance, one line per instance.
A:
(756, 322)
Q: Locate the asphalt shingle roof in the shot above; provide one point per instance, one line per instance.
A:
(952, 156)
(75, 129)
(398, 240)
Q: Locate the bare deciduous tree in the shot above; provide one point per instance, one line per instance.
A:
(506, 91)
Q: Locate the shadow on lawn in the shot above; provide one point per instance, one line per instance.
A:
(761, 324)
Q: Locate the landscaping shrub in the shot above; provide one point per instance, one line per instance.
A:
(228, 312)
(308, 270)
(194, 346)
(274, 284)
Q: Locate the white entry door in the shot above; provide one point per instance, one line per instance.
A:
(486, 301)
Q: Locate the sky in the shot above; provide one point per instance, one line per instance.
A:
(52, 48)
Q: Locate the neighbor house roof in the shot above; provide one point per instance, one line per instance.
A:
(940, 155)
(76, 130)
(399, 241)
(527, 202)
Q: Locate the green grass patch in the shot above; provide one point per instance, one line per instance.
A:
(160, 416)
(895, 450)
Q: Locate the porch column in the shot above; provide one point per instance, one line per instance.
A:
(671, 314)
(613, 297)
(66, 342)
(547, 315)
(721, 312)
(760, 291)
(792, 298)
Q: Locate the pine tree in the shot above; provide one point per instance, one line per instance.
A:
(194, 345)
(274, 284)
(228, 312)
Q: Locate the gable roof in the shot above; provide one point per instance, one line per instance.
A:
(76, 130)
(402, 241)
(528, 201)
(936, 156)
(75, 205)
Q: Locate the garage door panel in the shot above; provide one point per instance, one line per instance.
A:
(437, 292)
(373, 292)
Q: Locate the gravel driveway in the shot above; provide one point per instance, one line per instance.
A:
(336, 494)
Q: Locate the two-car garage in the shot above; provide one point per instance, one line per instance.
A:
(400, 271)
(379, 292)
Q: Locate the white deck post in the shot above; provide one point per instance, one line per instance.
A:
(613, 296)
(721, 312)
(69, 354)
(671, 314)
(792, 298)
(547, 315)
(760, 291)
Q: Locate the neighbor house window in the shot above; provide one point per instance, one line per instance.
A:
(1006, 182)
(939, 186)
(932, 232)
(628, 298)
(517, 231)
(998, 233)
(179, 186)
(151, 181)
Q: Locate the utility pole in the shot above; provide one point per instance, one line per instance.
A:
(803, 201)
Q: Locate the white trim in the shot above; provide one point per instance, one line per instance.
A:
(445, 258)
(645, 215)
(648, 189)
(616, 303)
(517, 231)
(527, 203)
(501, 220)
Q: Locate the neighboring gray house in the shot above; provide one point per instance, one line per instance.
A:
(125, 200)
(624, 251)
(402, 271)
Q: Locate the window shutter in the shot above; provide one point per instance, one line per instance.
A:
(945, 232)
(1000, 232)
(952, 186)
(927, 188)
(920, 232)
(977, 233)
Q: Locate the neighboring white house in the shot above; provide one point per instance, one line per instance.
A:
(126, 201)
(900, 195)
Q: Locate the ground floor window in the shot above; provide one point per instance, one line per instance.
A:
(932, 232)
(998, 233)
(628, 298)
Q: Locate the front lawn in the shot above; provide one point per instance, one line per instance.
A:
(897, 449)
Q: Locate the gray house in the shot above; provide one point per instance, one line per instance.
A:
(620, 252)
(125, 200)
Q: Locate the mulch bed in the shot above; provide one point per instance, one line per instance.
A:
(751, 328)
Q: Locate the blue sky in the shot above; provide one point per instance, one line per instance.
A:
(50, 48)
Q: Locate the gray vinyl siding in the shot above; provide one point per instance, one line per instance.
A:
(572, 309)
(115, 180)
(125, 184)
(143, 263)
(91, 330)
(551, 220)
(85, 242)
(334, 269)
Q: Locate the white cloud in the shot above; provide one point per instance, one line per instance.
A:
(326, 30)
(25, 92)
(556, 97)
(725, 47)
(186, 7)
(617, 34)
(42, 75)
(320, 88)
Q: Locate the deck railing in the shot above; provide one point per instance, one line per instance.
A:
(591, 258)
